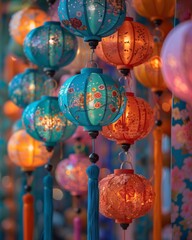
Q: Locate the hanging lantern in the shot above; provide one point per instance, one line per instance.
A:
(71, 174)
(23, 21)
(11, 110)
(45, 122)
(91, 99)
(135, 123)
(130, 46)
(81, 59)
(50, 46)
(26, 152)
(149, 73)
(155, 10)
(92, 20)
(27, 87)
(125, 196)
(176, 58)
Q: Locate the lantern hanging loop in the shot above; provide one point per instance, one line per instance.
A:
(126, 81)
(50, 86)
(128, 163)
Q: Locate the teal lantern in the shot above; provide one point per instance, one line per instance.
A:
(91, 99)
(45, 122)
(50, 46)
(27, 87)
(92, 19)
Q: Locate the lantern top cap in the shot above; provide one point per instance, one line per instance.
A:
(52, 22)
(130, 94)
(123, 171)
(91, 70)
(48, 97)
(129, 19)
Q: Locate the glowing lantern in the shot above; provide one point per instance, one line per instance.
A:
(45, 122)
(50, 46)
(11, 110)
(156, 9)
(23, 21)
(26, 152)
(125, 196)
(71, 174)
(130, 46)
(92, 20)
(91, 99)
(176, 58)
(27, 87)
(149, 73)
(135, 123)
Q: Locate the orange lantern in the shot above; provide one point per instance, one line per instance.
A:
(135, 123)
(23, 21)
(11, 110)
(149, 73)
(155, 9)
(130, 46)
(125, 196)
(27, 152)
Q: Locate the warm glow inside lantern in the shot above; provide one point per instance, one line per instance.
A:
(71, 174)
(135, 123)
(130, 46)
(125, 196)
(27, 152)
(23, 21)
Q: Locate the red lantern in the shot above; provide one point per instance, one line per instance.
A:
(125, 196)
(135, 123)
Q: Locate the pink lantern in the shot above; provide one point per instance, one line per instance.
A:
(176, 57)
(71, 174)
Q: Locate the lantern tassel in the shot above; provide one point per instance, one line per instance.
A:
(48, 207)
(28, 216)
(157, 217)
(77, 228)
(93, 203)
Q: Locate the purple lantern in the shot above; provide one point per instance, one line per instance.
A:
(176, 57)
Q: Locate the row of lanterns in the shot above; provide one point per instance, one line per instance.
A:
(90, 99)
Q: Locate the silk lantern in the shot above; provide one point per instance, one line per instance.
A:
(129, 46)
(135, 123)
(27, 87)
(155, 10)
(45, 122)
(91, 99)
(23, 21)
(11, 110)
(149, 73)
(176, 60)
(125, 196)
(92, 20)
(50, 46)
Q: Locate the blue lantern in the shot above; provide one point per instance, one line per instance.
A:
(91, 99)
(27, 87)
(92, 19)
(45, 122)
(50, 46)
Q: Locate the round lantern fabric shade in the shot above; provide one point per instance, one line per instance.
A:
(176, 57)
(45, 122)
(27, 87)
(91, 19)
(130, 46)
(91, 99)
(125, 196)
(135, 123)
(71, 174)
(23, 21)
(27, 152)
(50, 46)
(149, 73)
(156, 9)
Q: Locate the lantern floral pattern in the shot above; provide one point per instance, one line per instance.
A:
(91, 99)
(92, 19)
(181, 212)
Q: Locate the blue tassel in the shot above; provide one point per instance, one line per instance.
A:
(48, 207)
(93, 203)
